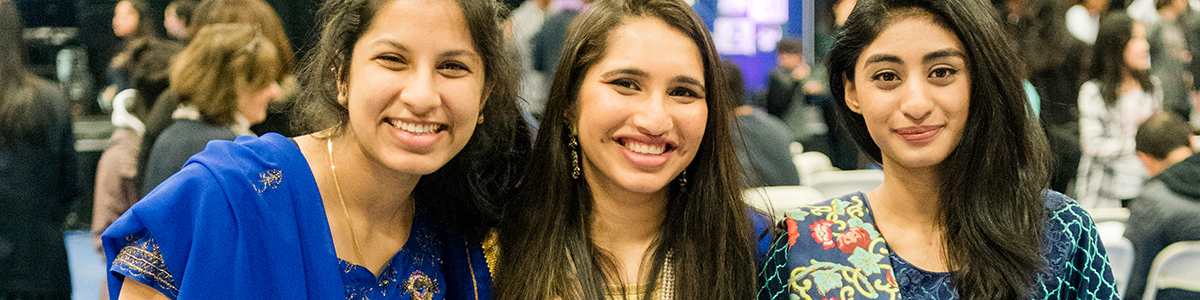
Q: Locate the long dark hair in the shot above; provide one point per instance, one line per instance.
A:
(18, 85)
(990, 200)
(460, 192)
(1109, 66)
(546, 251)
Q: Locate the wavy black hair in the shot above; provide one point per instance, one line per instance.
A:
(487, 169)
(991, 184)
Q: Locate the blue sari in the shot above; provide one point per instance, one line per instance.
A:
(833, 250)
(244, 220)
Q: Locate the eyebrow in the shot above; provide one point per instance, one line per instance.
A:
(625, 71)
(949, 52)
(402, 48)
(689, 80)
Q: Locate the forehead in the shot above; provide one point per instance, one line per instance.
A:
(651, 44)
(426, 20)
(912, 36)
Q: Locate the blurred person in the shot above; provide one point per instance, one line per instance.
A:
(1120, 94)
(224, 80)
(228, 11)
(1165, 211)
(788, 81)
(411, 130)
(525, 22)
(762, 142)
(932, 90)
(131, 22)
(1083, 19)
(547, 43)
(634, 191)
(176, 18)
(1169, 56)
(37, 173)
(147, 66)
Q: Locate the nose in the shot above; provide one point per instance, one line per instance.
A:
(653, 118)
(918, 105)
(420, 93)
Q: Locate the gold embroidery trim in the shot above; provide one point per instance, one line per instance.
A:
(147, 263)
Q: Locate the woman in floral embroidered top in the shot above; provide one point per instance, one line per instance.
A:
(931, 89)
(412, 129)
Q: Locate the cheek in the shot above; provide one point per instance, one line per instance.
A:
(693, 120)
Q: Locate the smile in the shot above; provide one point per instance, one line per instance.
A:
(646, 147)
(417, 128)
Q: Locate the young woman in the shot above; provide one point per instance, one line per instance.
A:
(932, 90)
(224, 80)
(635, 192)
(37, 173)
(1120, 95)
(414, 127)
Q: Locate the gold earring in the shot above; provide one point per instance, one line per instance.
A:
(574, 145)
(480, 121)
(683, 178)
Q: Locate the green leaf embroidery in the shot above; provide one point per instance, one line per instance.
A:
(797, 214)
(866, 262)
(827, 280)
(839, 206)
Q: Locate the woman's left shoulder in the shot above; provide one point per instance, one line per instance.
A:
(1063, 209)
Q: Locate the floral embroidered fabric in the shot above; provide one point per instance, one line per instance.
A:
(832, 250)
(413, 273)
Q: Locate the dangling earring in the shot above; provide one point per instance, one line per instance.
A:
(682, 178)
(574, 145)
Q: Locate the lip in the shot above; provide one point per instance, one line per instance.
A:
(416, 141)
(918, 134)
(644, 161)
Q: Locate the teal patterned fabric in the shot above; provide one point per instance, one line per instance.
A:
(832, 251)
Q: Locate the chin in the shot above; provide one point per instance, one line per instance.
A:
(645, 185)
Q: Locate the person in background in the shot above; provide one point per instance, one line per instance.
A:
(37, 173)
(762, 141)
(1169, 56)
(131, 22)
(932, 90)
(224, 80)
(1120, 94)
(176, 18)
(547, 42)
(216, 12)
(789, 79)
(633, 189)
(1165, 211)
(525, 22)
(411, 130)
(147, 65)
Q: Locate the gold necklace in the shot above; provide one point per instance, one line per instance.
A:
(338, 187)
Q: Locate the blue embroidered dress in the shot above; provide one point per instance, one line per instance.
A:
(244, 220)
(832, 250)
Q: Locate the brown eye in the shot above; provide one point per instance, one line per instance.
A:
(942, 76)
(886, 80)
(454, 69)
(625, 86)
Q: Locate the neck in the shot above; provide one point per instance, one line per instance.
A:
(1128, 82)
(367, 185)
(627, 225)
(906, 195)
(1168, 14)
(1176, 156)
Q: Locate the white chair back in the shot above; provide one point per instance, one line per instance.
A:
(1119, 250)
(1106, 214)
(1177, 266)
(838, 183)
(778, 199)
(811, 162)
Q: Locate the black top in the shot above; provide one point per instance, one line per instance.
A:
(37, 183)
(177, 143)
(1164, 213)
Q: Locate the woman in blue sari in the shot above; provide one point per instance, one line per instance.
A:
(932, 90)
(413, 127)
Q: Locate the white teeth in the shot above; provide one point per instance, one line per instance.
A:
(415, 128)
(645, 149)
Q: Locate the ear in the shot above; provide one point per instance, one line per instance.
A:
(1150, 163)
(851, 95)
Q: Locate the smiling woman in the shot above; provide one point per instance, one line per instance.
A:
(635, 193)
(412, 130)
(931, 89)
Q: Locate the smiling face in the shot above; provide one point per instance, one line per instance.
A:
(912, 87)
(415, 86)
(641, 112)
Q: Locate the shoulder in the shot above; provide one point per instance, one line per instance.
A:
(1064, 208)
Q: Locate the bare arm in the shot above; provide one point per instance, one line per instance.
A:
(134, 290)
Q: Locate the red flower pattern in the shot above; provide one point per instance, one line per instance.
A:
(822, 233)
(856, 237)
(793, 232)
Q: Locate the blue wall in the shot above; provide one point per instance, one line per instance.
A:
(754, 67)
